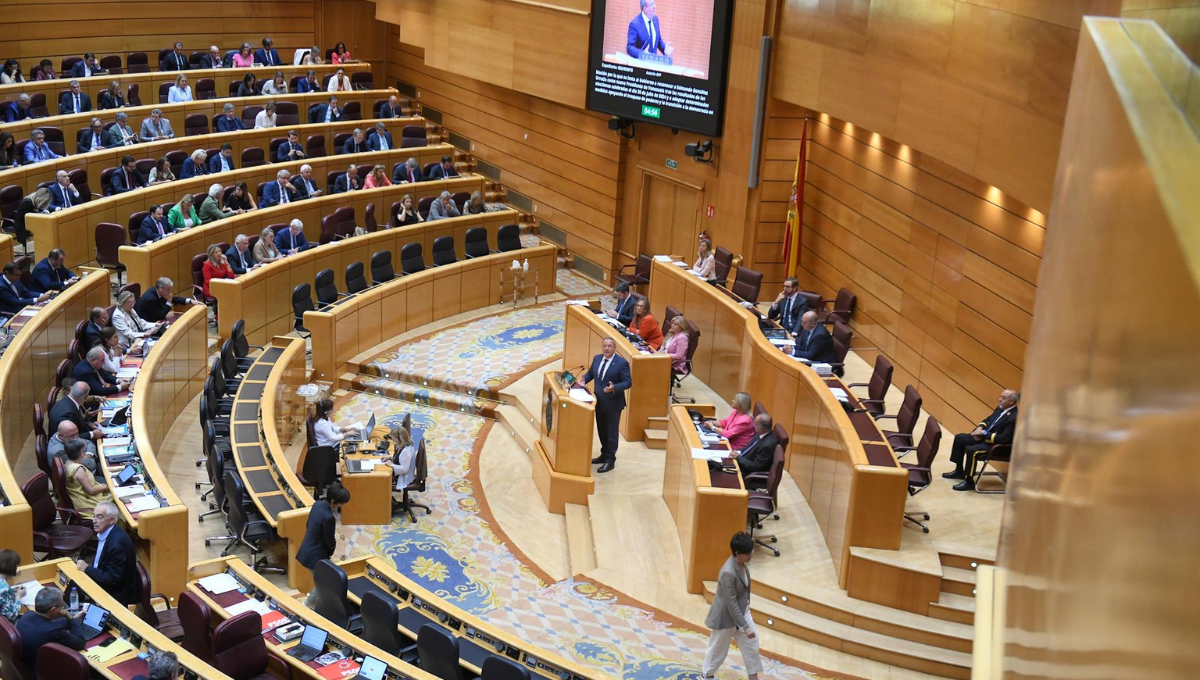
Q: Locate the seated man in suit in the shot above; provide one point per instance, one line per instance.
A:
(127, 178)
(228, 122)
(626, 301)
(56, 445)
(239, 255)
(13, 296)
(114, 567)
(645, 34)
(969, 448)
(72, 407)
(212, 58)
(407, 172)
(789, 306)
(814, 342)
(90, 66)
(91, 371)
(759, 453)
(267, 55)
(162, 666)
(39, 151)
(175, 60)
(381, 139)
(292, 240)
(63, 193)
(155, 304)
(280, 191)
(326, 113)
(291, 149)
(156, 127)
(223, 161)
(50, 274)
(306, 186)
(74, 100)
(154, 226)
(93, 138)
(121, 134)
(357, 143)
(348, 181)
(443, 208)
(443, 170)
(610, 373)
(19, 110)
(97, 320)
(308, 83)
(48, 622)
(391, 109)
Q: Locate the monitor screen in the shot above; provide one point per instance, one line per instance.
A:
(313, 638)
(127, 473)
(94, 618)
(372, 669)
(660, 61)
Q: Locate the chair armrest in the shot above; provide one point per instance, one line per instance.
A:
(756, 477)
(870, 401)
(901, 435)
(622, 269)
(346, 295)
(160, 596)
(898, 449)
(72, 513)
(277, 663)
(892, 417)
(859, 385)
(45, 540)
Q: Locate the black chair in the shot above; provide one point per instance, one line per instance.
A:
(381, 267)
(381, 620)
(722, 263)
(331, 584)
(475, 243)
(920, 474)
(640, 275)
(327, 293)
(763, 503)
(301, 303)
(320, 468)
(881, 380)
(906, 419)
(241, 344)
(249, 527)
(502, 668)
(842, 337)
(443, 251)
(746, 284)
(356, 281)
(438, 650)
(508, 238)
(411, 259)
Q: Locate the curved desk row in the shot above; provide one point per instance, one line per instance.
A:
(283, 607)
(28, 177)
(477, 639)
(74, 229)
(263, 297)
(26, 375)
(122, 624)
(264, 397)
(856, 503)
(651, 373)
(148, 82)
(387, 310)
(173, 112)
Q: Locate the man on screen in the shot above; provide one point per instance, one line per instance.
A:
(645, 35)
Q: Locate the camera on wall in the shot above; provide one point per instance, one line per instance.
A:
(701, 151)
(624, 126)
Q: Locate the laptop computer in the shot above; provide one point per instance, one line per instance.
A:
(364, 433)
(371, 669)
(93, 621)
(312, 644)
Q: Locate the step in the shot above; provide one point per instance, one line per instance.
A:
(655, 439)
(657, 422)
(518, 426)
(374, 371)
(957, 608)
(856, 641)
(958, 581)
(963, 557)
(878, 618)
(580, 546)
(475, 404)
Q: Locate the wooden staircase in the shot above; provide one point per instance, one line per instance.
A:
(655, 434)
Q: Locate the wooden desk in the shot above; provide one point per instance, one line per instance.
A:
(651, 372)
(143, 636)
(477, 639)
(339, 639)
(26, 376)
(370, 493)
(708, 507)
(341, 332)
(270, 482)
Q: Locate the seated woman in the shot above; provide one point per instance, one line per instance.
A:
(676, 344)
(127, 322)
(377, 178)
(10, 594)
(404, 458)
(738, 426)
(180, 92)
(111, 97)
(706, 263)
(267, 117)
(276, 85)
(243, 59)
(265, 250)
(85, 492)
(340, 54)
(644, 325)
(112, 348)
(161, 172)
(183, 214)
(247, 88)
(216, 267)
(241, 199)
(474, 206)
(327, 433)
(406, 213)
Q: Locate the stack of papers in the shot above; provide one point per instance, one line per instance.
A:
(580, 394)
(822, 369)
(782, 342)
(705, 454)
(127, 491)
(104, 653)
(218, 584)
(32, 588)
(250, 605)
(142, 504)
(114, 443)
(663, 258)
(838, 392)
(127, 373)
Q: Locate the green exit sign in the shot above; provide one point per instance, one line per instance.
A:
(651, 111)
(671, 163)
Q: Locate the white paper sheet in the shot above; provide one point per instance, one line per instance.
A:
(663, 258)
(705, 454)
(142, 503)
(839, 393)
(32, 588)
(218, 583)
(251, 605)
(126, 491)
(580, 394)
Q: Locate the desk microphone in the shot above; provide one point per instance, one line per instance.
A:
(568, 377)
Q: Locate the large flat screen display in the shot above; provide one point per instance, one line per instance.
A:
(660, 61)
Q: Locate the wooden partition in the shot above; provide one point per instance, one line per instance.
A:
(28, 177)
(405, 303)
(263, 297)
(74, 229)
(857, 504)
(26, 376)
(651, 373)
(6, 248)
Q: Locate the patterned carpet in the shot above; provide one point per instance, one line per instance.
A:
(574, 284)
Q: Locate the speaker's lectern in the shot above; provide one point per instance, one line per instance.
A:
(562, 468)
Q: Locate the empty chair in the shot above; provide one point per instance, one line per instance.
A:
(287, 114)
(640, 276)
(842, 337)
(746, 284)
(57, 540)
(320, 468)
(133, 96)
(253, 157)
(314, 146)
(906, 419)
(362, 80)
(352, 111)
(412, 260)
(112, 63)
(330, 582)
(356, 281)
(381, 267)
(301, 303)
(249, 114)
(508, 238)
(381, 620)
(109, 239)
(443, 251)
(369, 223)
(843, 306)
(206, 88)
(881, 380)
(249, 528)
(165, 621)
(195, 617)
(61, 663)
(920, 474)
(138, 62)
(327, 292)
(414, 132)
(195, 124)
(502, 668)
(438, 650)
(339, 141)
(37, 106)
(238, 648)
(722, 263)
(164, 90)
(423, 206)
(475, 243)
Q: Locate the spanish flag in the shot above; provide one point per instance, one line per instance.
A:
(791, 236)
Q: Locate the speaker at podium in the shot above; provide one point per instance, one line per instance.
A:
(562, 470)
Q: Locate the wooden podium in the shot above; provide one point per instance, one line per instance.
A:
(562, 468)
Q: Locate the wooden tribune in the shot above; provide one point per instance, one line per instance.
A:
(370, 493)
(562, 468)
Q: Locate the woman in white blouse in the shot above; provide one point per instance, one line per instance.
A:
(340, 82)
(127, 322)
(112, 348)
(275, 86)
(266, 117)
(180, 92)
(404, 459)
(327, 433)
(706, 264)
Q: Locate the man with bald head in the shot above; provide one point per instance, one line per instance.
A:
(813, 341)
(56, 445)
(758, 455)
(71, 407)
(969, 448)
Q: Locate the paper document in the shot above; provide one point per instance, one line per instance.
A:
(580, 303)
(111, 444)
(822, 369)
(127, 491)
(705, 454)
(580, 394)
(127, 373)
(782, 342)
(142, 504)
(218, 583)
(28, 312)
(103, 653)
(678, 263)
(840, 393)
(250, 605)
(663, 258)
(32, 588)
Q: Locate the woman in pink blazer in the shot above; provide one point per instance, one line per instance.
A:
(676, 344)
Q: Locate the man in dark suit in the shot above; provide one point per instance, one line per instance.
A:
(357, 143)
(789, 306)
(610, 374)
(97, 320)
(326, 113)
(407, 172)
(176, 60)
(88, 67)
(760, 452)
(223, 161)
(645, 34)
(241, 259)
(228, 122)
(291, 149)
(305, 185)
(320, 538)
(13, 296)
(391, 109)
(267, 55)
(212, 58)
(308, 83)
(19, 110)
(48, 622)
(292, 240)
(155, 304)
(93, 138)
(813, 342)
(127, 178)
(71, 407)
(625, 303)
(348, 181)
(443, 170)
(50, 274)
(91, 371)
(998, 428)
(279, 192)
(154, 226)
(74, 100)
(63, 193)
(381, 139)
(114, 568)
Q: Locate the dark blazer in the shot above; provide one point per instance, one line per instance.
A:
(273, 195)
(121, 184)
(102, 382)
(303, 86)
(373, 141)
(58, 196)
(818, 348)
(438, 172)
(214, 163)
(757, 456)
(625, 309)
(206, 62)
(302, 191)
(386, 111)
(790, 320)
(65, 409)
(190, 169)
(14, 296)
(153, 308)
(1000, 429)
(318, 114)
(285, 149)
(352, 146)
(343, 184)
(268, 57)
(239, 261)
(92, 333)
(85, 141)
(13, 112)
(37, 630)
(617, 374)
(283, 241)
(319, 537)
(227, 124)
(149, 230)
(107, 101)
(80, 70)
(46, 278)
(174, 62)
(66, 105)
(401, 174)
(117, 573)
(638, 38)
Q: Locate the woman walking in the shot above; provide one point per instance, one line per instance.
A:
(729, 616)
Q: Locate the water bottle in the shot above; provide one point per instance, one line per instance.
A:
(74, 599)
(525, 264)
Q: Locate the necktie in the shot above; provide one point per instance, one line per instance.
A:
(158, 128)
(807, 339)
(604, 368)
(787, 310)
(411, 177)
(160, 229)
(76, 103)
(283, 196)
(653, 39)
(67, 196)
(128, 180)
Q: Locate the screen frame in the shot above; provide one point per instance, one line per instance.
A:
(718, 64)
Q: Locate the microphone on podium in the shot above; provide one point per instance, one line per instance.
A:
(568, 377)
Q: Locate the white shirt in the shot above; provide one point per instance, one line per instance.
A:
(652, 48)
(262, 120)
(101, 538)
(327, 433)
(403, 468)
(179, 94)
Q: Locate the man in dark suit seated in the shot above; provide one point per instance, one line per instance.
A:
(320, 537)
(90, 66)
(155, 304)
(291, 149)
(391, 109)
(308, 83)
(127, 178)
(229, 122)
(114, 568)
(19, 110)
(407, 172)
(610, 374)
(161, 666)
(292, 240)
(213, 58)
(267, 55)
(154, 226)
(326, 113)
(970, 447)
(381, 139)
(91, 371)
(241, 259)
(63, 193)
(305, 185)
(443, 170)
(13, 296)
(48, 622)
(789, 306)
(50, 274)
(348, 181)
(74, 100)
(625, 303)
(280, 191)
(222, 161)
(72, 407)
(93, 138)
(356, 144)
(175, 60)
(813, 342)
(760, 452)
(97, 320)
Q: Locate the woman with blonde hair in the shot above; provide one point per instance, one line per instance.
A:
(738, 426)
(180, 92)
(183, 214)
(265, 251)
(706, 263)
(676, 344)
(404, 457)
(111, 97)
(127, 322)
(377, 178)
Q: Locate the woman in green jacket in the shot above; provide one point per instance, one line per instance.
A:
(183, 214)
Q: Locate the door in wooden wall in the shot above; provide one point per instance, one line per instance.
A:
(670, 215)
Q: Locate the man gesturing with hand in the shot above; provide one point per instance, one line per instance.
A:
(610, 374)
